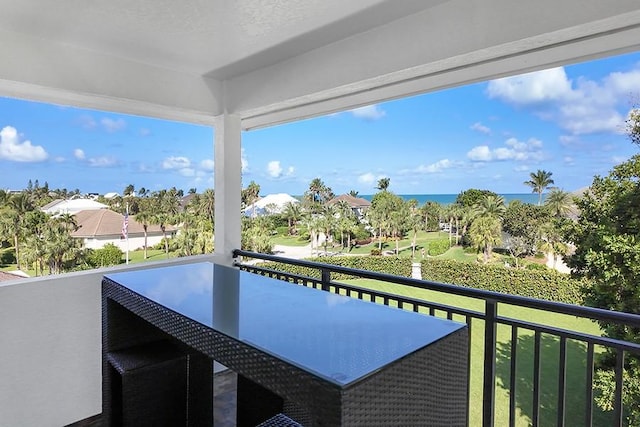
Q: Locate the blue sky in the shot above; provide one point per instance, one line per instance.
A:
(490, 135)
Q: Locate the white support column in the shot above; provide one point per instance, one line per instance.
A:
(228, 186)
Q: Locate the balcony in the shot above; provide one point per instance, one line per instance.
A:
(541, 373)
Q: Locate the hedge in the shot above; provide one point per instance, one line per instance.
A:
(548, 285)
(390, 265)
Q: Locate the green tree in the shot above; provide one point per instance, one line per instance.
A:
(317, 195)
(523, 222)
(472, 196)
(540, 180)
(559, 203)
(145, 218)
(485, 232)
(292, 213)
(431, 212)
(486, 229)
(383, 184)
(353, 193)
(607, 241)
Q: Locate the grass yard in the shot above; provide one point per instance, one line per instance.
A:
(576, 360)
(152, 255)
(422, 239)
(288, 241)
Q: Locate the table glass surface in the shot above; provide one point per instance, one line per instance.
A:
(338, 338)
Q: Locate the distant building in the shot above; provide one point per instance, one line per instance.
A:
(357, 204)
(110, 195)
(271, 204)
(98, 227)
(71, 207)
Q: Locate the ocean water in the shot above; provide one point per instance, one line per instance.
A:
(447, 199)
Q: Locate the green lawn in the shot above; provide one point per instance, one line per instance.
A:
(404, 244)
(576, 360)
(288, 241)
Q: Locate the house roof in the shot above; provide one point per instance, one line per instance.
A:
(6, 275)
(105, 222)
(354, 202)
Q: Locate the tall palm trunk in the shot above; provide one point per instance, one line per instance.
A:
(15, 241)
(144, 227)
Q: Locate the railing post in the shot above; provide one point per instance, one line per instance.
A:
(488, 391)
(325, 278)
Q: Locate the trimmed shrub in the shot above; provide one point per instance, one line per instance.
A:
(376, 252)
(438, 247)
(548, 284)
(110, 254)
(389, 265)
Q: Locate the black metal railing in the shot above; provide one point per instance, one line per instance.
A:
(491, 318)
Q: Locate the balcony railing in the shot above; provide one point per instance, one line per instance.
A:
(503, 355)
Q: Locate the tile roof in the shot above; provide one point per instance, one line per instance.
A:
(354, 202)
(6, 275)
(105, 222)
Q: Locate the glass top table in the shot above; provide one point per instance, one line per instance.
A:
(336, 340)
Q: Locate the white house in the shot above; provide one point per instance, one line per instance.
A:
(98, 227)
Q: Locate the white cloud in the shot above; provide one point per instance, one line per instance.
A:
(436, 167)
(521, 168)
(187, 172)
(113, 125)
(207, 165)
(243, 161)
(479, 127)
(579, 106)
(513, 150)
(78, 154)
(532, 88)
(369, 178)
(177, 162)
(144, 132)
(87, 122)
(102, 162)
(12, 149)
(481, 153)
(274, 169)
(369, 112)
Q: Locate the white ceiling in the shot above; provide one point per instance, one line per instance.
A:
(271, 61)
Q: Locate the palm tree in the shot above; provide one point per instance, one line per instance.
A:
(540, 181)
(559, 202)
(353, 193)
(144, 218)
(292, 214)
(486, 229)
(383, 184)
(19, 205)
(207, 204)
(490, 206)
(162, 219)
(485, 233)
